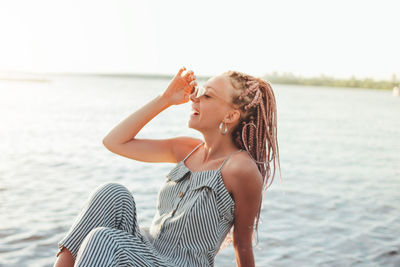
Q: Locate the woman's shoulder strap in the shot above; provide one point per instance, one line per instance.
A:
(223, 163)
(193, 150)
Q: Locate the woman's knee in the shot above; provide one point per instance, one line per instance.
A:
(116, 204)
(111, 191)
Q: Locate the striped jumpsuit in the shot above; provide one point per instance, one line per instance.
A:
(194, 214)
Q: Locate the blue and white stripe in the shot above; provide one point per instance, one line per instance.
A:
(194, 214)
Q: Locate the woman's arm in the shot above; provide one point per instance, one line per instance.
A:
(247, 186)
(121, 139)
(129, 127)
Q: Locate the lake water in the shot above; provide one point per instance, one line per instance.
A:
(338, 203)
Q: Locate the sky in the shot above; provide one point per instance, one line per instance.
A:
(310, 37)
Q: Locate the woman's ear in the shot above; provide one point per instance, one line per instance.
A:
(232, 117)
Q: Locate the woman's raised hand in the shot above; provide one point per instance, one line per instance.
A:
(180, 87)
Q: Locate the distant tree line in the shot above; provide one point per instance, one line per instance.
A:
(323, 80)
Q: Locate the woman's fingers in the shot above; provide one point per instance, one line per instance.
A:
(181, 70)
(189, 78)
(192, 86)
(188, 75)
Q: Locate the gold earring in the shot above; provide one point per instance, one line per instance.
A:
(225, 129)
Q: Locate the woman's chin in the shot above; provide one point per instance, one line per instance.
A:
(192, 121)
(194, 117)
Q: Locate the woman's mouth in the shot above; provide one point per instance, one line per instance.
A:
(195, 113)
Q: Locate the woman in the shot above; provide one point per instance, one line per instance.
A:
(215, 185)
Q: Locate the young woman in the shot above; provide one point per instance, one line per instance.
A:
(216, 184)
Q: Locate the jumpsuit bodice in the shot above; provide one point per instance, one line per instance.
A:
(194, 214)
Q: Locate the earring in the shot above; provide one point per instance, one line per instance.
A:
(225, 129)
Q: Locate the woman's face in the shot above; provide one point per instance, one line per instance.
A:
(210, 108)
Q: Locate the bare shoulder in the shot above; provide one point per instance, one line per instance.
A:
(241, 173)
(183, 145)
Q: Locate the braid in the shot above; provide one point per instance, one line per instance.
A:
(256, 131)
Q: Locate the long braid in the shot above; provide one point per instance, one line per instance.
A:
(257, 130)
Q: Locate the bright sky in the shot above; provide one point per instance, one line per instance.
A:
(309, 37)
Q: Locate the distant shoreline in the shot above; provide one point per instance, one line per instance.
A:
(323, 80)
(274, 77)
(285, 78)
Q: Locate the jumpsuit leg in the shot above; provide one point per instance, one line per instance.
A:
(106, 232)
(111, 205)
(113, 247)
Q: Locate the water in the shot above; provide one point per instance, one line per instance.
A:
(338, 204)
